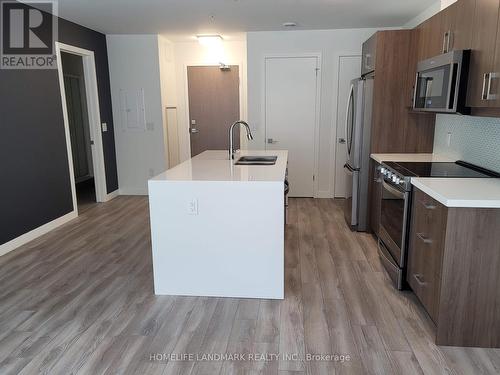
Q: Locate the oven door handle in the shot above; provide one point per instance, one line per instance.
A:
(394, 191)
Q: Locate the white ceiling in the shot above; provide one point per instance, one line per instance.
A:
(183, 18)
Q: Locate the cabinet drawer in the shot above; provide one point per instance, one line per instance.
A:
(425, 251)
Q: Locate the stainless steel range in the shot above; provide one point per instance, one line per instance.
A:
(395, 214)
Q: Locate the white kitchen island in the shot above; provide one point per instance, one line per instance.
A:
(217, 229)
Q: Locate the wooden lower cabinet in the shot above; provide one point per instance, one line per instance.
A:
(453, 268)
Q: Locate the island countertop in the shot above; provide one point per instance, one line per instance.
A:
(214, 165)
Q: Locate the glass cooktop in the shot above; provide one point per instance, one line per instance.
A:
(423, 169)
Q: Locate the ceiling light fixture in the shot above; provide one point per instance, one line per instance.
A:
(209, 40)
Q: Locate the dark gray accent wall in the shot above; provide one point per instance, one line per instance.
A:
(34, 177)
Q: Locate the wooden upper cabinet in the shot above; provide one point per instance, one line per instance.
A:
(430, 40)
(484, 40)
(448, 16)
(461, 26)
(456, 25)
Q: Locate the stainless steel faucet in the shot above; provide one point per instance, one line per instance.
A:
(231, 141)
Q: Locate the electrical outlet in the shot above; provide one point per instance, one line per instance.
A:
(448, 139)
(104, 127)
(192, 208)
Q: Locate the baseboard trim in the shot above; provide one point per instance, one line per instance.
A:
(112, 195)
(35, 233)
(324, 194)
(133, 191)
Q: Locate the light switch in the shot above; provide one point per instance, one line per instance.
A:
(104, 127)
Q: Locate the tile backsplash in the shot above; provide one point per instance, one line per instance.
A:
(473, 139)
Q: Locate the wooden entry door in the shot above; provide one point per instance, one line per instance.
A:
(214, 104)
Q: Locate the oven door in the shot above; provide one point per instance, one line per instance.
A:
(394, 221)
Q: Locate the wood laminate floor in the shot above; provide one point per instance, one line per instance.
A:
(80, 300)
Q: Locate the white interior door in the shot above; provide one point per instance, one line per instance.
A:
(349, 68)
(291, 101)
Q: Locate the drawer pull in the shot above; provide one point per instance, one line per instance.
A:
(423, 238)
(420, 279)
(429, 206)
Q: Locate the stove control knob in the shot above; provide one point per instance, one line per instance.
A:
(394, 178)
(402, 182)
(382, 170)
(398, 180)
(388, 174)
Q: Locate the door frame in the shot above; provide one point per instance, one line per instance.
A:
(242, 99)
(316, 145)
(92, 96)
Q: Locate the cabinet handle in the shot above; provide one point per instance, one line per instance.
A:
(428, 206)
(446, 41)
(419, 279)
(424, 239)
(484, 96)
(489, 95)
(449, 45)
(445, 37)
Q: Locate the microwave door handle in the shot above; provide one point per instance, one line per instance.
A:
(415, 92)
(451, 101)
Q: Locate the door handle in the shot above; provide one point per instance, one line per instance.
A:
(423, 238)
(342, 141)
(271, 141)
(419, 278)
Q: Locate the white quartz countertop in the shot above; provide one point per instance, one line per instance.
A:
(379, 158)
(214, 165)
(461, 192)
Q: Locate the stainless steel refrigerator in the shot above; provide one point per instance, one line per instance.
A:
(357, 166)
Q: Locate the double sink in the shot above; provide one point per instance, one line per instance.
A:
(256, 160)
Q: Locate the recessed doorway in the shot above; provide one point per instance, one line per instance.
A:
(214, 104)
(78, 83)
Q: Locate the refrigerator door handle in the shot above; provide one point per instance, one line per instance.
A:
(348, 151)
(349, 168)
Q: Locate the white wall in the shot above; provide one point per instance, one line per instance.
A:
(168, 98)
(427, 13)
(134, 64)
(192, 53)
(331, 44)
(446, 3)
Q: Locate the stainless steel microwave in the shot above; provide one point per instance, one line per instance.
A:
(441, 83)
